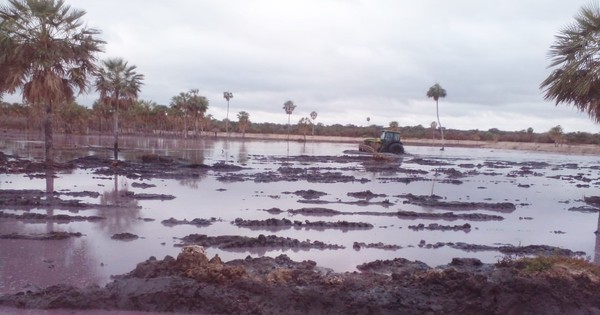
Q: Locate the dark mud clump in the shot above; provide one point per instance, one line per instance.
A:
(449, 216)
(124, 236)
(274, 211)
(308, 194)
(379, 245)
(27, 199)
(316, 212)
(228, 242)
(40, 217)
(285, 223)
(397, 265)
(367, 194)
(196, 222)
(439, 227)
(51, 236)
(435, 201)
(142, 185)
(281, 286)
(153, 197)
(517, 250)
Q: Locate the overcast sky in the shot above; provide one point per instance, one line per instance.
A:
(347, 59)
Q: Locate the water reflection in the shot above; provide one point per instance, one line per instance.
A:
(597, 245)
(43, 263)
(28, 264)
(243, 153)
(49, 196)
(122, 211)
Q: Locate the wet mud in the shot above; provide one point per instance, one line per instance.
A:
(194, 283)
(233, 242)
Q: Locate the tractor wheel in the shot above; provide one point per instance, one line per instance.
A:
(396, 148)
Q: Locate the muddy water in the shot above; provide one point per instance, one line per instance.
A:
(543, 195)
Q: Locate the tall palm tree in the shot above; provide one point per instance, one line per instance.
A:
(289, 107)
(575, 52)
(435, 92)
(313, 116)
(119, 85)
(227, 95)
(47, 53)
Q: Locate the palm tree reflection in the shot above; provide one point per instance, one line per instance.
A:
(49, 196)
(243, 153)
(597, 247)
(121, 211)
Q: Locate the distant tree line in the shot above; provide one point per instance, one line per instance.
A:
(146, 118)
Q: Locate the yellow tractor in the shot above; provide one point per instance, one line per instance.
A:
(389, 142)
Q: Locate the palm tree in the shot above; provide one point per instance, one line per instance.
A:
(190, 102)
(313, 116)
(575, 52)
(289, 107)
(119, 86)
(436, 91)
(47, 53)
(227, 95)
(243, 122)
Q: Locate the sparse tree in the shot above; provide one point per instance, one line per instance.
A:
(289, 107)
(243, 122)
(433, 126)
(394, 125)
(119, 85)
(557, 135)
(313, 116)
(576, 55)
(435, 92)
(47, 53)
(304, 126)
(101, 110)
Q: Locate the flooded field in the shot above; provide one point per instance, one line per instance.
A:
(348, 209)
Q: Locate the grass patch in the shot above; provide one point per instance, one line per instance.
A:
(542, 263)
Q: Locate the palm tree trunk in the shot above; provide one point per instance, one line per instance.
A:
(437, 111)
(184, 126)
(116, 128)
(48, 135)
(288, 127)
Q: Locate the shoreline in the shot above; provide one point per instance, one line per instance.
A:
(566, 149)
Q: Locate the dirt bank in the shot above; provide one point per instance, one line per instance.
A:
(193, 283)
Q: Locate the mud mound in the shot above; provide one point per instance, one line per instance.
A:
(194, 283)
(436, 202)
(237, 242)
